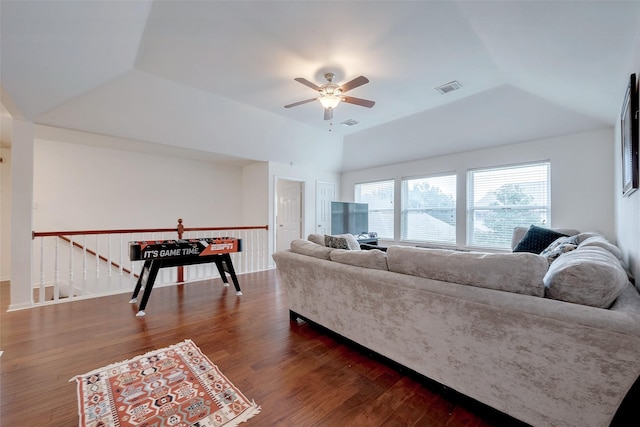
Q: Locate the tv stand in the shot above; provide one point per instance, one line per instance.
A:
(367, 240)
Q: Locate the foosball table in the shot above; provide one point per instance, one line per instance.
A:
(158, 254)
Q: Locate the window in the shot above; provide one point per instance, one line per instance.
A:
(379, 196)
(429, 209)
(500, 199)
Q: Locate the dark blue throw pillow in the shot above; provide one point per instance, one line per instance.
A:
(537, 239)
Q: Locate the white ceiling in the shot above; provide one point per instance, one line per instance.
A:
(213, 76)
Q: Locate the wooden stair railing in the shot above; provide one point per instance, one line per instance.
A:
(180, 229)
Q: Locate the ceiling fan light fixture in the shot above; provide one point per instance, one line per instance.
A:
(331, 94)
(329, 101)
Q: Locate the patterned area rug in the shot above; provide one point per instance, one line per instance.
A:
(177, 386)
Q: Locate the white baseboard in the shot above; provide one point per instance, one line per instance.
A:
(21, 306)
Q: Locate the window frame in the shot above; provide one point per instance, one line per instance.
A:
(471, 208)
(403, 212)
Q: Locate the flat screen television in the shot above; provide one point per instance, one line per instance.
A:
(349, 217)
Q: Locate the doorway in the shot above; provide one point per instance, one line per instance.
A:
(289, 214)
(325, 194)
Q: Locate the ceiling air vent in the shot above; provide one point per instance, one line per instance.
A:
(448, 87)
(350, 122)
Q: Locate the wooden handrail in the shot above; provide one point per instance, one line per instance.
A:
(143, 230)
(248, 227)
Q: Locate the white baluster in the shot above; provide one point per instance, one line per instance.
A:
(56, 284)
(71, 266)
(132, 279)
(254, 247)
(246, 253)
(97, 256)
(261, 249)
(254, 250)
(251, 235)
(41, 292)
(84, 263)
(109, 255)
(120, 262)
(260, 245)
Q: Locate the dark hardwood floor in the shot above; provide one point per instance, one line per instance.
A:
(297, 373)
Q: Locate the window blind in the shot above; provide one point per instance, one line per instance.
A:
(502, 198)
(428, 212)
(379, 196)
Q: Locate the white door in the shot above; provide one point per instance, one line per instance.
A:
(289, 214)
(325, 194)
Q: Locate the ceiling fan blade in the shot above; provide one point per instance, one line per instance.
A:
(328, 113)
(358, 81)
(307, 83)
(295, 104)
(358, 101)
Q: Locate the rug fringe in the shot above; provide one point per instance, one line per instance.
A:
(252, 411)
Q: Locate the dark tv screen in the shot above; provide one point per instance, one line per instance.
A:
(349, 217)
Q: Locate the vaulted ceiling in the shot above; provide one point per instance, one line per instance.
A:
(213, 76)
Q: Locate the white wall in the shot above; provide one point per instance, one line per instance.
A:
(80, 187)
(5, 214)
(255, 194)
(582, 176)
(22, 155)
(627, 209)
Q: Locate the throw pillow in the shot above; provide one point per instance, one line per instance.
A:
(537, 239)
(351, 241)
(560, 246)
(336, 242)
(589, 276)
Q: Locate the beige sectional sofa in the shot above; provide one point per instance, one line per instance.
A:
(481, 324)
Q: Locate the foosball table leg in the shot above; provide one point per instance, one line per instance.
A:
(142, 281)
(224, 264)
(147, 278)
(226, 258)
(221, 272)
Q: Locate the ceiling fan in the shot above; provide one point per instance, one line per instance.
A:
(331, 94)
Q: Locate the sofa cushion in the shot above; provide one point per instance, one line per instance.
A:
(603, 243)
(537, 239)
(512, 272)
(374, 258)
(316, 238)
(585, 235)
(589, 275)
(305, 247)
